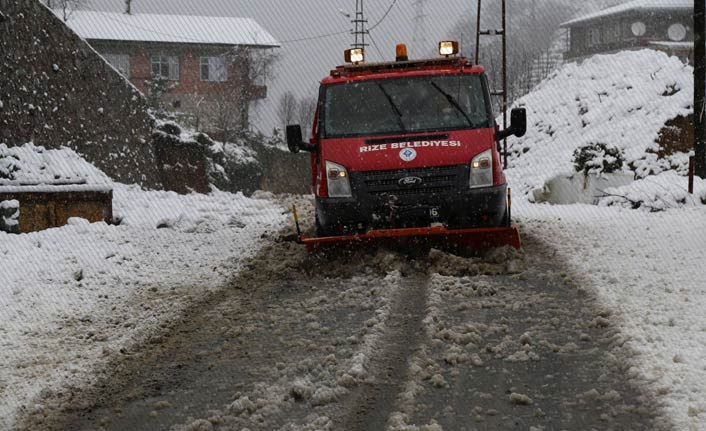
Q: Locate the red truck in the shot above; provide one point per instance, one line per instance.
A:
(408, 149)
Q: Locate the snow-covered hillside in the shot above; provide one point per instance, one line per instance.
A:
(622, 100)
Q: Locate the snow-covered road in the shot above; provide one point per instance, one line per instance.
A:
(310, 343)
(379, 341)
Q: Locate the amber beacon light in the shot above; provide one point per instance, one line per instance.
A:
(402, 52)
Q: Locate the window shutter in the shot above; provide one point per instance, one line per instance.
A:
(173, 68)
(204, 63)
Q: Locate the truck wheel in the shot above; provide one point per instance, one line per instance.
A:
(321, 231)
(506, 219)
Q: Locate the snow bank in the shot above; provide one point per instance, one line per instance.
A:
(622, 100)
(657, 193)
(70, 296)
(36, 166)
(647, 268)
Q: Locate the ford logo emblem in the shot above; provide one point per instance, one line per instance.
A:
(410, 181)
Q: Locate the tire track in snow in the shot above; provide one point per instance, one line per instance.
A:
(372, 400)
(276, 351)
(525, 351)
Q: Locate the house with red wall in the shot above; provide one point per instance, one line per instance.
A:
(208, 68)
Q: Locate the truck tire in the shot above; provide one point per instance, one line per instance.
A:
(321, 231)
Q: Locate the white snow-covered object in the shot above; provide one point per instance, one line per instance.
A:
(580, 188)
(31, 168)
(657, 193)
(9, 216)
(622, 100)
(170, 29)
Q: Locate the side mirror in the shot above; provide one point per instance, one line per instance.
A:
(518, 125)
(518, 121)
(294, 138)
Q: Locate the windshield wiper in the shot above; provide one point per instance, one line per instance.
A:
(453, 102)
(394, 107)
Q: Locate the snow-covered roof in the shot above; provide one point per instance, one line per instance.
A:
(635, 5)
(170, 29)
(31, 168)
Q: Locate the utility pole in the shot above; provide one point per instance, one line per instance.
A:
(420, 25)
(359, 22)
(699, 87)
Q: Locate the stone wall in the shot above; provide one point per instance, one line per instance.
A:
(55, 91)
(44, 210)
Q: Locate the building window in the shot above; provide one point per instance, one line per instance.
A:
(594, 37)
(121, 62)
(611, 32)
(165, 67)
(214, 69)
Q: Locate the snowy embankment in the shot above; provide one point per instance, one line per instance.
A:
(75, 296)
(648, 269)
(646, 263)
(623, 101)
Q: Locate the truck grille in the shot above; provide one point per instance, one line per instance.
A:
(438, 179)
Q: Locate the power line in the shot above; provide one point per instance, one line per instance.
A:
(387, 12)
(377, 48)
(338, 33)
(359, 32)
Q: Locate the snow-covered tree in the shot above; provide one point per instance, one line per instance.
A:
(232, 106)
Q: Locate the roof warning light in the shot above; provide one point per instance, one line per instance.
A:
(448, 48)
(402, 52)
(354, 55)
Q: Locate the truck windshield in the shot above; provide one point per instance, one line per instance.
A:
(405, 105)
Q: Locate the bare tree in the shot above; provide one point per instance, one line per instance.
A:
(231, 109)
(287, 110)
(307, 109)
(66, 7)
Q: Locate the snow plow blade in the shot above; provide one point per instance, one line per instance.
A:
(478, 239)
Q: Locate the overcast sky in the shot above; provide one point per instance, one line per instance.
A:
(304, 63)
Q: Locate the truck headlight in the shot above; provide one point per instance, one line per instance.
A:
(482, 170)
(337, 180)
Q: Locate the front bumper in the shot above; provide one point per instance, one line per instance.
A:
(443, 197)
